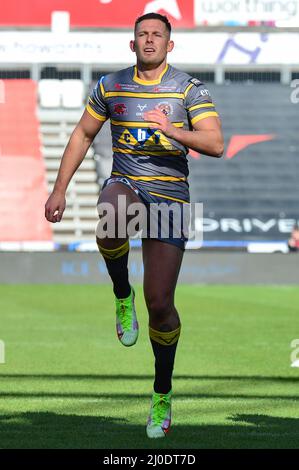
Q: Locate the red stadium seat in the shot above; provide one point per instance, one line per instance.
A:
(23, 189)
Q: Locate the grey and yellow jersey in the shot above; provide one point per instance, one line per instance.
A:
(143, 154)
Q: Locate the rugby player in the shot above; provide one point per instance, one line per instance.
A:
(156, 112)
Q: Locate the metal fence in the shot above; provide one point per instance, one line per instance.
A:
(218, 74)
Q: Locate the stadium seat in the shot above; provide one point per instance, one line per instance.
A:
(80, 217)
(49, 93)
(72, 93)
(23, 189)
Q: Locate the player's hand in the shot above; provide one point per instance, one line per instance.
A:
(55, 206)
(159, 120)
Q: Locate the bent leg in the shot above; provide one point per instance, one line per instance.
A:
(118, 197)
(115, 249)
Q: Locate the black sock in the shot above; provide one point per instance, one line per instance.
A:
(164, 346)
(118, 271)
(117, 265)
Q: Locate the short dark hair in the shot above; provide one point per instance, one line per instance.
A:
(154, 16)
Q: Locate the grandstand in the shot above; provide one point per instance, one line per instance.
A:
(253, 189)
(255, 182)
(248, 196)
(80, 215)
(22, 170)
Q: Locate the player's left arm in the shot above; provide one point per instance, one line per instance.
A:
(206, 136)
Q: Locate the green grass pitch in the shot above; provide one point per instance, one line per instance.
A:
(68, 383)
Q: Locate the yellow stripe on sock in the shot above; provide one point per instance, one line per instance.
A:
(166, 338)
(115, 252)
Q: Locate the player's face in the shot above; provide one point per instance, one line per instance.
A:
(152, 42)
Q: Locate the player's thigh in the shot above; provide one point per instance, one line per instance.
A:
(115, 193)
(114, 208)
(162, 262)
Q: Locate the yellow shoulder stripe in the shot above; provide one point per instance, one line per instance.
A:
(102, 89)
(203, 105)
(187, 89)
(97, 116)
(203, 116)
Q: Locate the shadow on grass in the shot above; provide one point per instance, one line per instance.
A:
(118, 377)
(128, 396)
(77, 378)
(51, 431)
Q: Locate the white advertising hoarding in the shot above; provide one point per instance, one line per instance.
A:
(113, 48)
(280, 12)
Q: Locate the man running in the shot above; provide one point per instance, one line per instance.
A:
(156, 112)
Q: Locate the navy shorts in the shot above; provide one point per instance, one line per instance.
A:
(171, 229)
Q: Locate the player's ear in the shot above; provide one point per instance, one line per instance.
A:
(170, 46)
(132, 45)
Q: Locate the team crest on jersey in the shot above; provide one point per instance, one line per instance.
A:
(165, 107)
(120, 109)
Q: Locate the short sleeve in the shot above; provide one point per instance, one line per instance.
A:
(198, 101)
(96, 102)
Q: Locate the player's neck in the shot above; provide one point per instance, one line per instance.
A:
(144, 72)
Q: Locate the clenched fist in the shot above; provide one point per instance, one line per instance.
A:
(55, 206)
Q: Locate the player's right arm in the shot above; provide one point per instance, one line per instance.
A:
(75, 151)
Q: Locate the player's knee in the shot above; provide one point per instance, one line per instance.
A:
(160, 306)
(112, 223)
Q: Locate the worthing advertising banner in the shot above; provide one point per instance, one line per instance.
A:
(94, 13)
(242, 12)
(182, 13)
(113, 48)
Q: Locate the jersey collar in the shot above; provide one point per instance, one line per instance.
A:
(149, 82)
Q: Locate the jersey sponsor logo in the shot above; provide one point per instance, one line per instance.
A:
(145, 138)
(195, 81)
(164, 88)
(165, 107)
(120, 109)
(127, 138)
(125, 86)
(141, 108)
